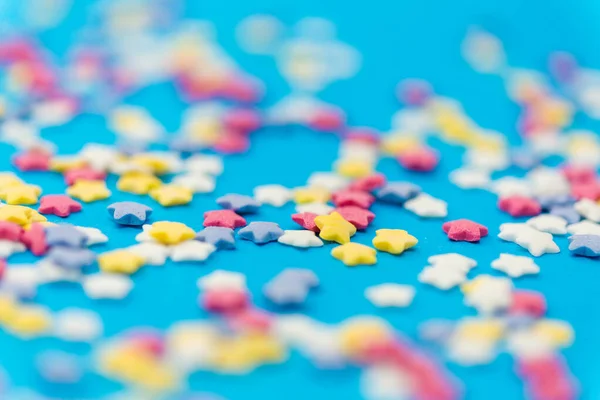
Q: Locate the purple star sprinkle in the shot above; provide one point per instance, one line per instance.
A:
(239, 203)
(70, 257)
(585, 245)
(261, 232)
(129, 213)
(567, 212)
(398, 192)
(300, 275)
(220, 237)
(285, 293)
(65, 235)
(548, 202)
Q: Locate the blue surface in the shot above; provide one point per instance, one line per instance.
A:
(398, 39)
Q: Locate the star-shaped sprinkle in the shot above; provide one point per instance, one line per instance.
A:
(220, 237)
(353, 254)
(73, 258)
(335, 228)
(584, 228)
(138, 182)
(8, 248)
(369, 183)
(89, 190)
(427, 206)
(285, 293)
(107, 286)
(314, 208)
(464, 230)
(20, 194)
(221, 279)
(223, 218)
(510, 231)
(203, 163)
(520, 206)
(328, 180)
(549, 223)
(314, 194)
(588, 209)
(548, 202)
(567, 212)
(171, 195)
(120, 261)
(192, 250)
(59, 205)
(10, 231)
(274, 195)
(488, 293)
(261, 232)
(398, 192)
(511, 186)
(300, 238)
(353, 198)
(168, 232)
(442, 277)
(195, 182)
(359, 217)
(470, 178)
(302, 276)
(515, 266)
(85, 173)
(390, 295)
(94, 235)
(306, 220)
(77, 325)
(153, 253)
(32, 160)
(35, 239)
(538, 243)
(129, 213)
(453, 261)
(393, 241)
(65, 235)
(239, 203)
(585, 245)
(586, 190)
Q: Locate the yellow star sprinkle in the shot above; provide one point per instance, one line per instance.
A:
(20, 194)
(359, 332)
(62, 164)
(138, 182)
(20, 215)
(335, 228)
(311, 195)
(353, 254)
(559, 333)
(393, 241)
(481, 329)
(8, 309)
(30, 321)
(152, 163)
(353, 168)
(397, 143)
(9, 179)
(171, 195)
(120, 261)
(88, 190)
(168, 232)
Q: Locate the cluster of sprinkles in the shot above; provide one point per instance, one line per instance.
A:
(169, 170)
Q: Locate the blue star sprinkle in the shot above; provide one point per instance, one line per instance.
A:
(220, 237)
(261, 232)
(239, 203)
(65, 235)
(548, 202)
(70, 257)
(301, 275)
(284, 293)
(398, 192)
(567, 212)
(129, 213)
(585, 245)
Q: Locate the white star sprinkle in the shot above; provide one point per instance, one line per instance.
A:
(94, 235)
(588, 209)
(98, 156)
(546, 181)
(487, 160)
(453, 260)
(196, 182)
(549, 223)
(538, 243)
(489, 293)
(50, 273)
(528, 344)
(192, 250)
(515, 266)
(274, 195)
(442, 277)
(221, 279)
(470, 178)
(510, 186)
(77, 325)
(8, 248)
(427, 206)
(584, 227)
(107, 286)
(316, 208)
(144, 235)
(327, 180)
(300, 238)
(510, 231)
(390, 295)
(153, 253)
(206, 164)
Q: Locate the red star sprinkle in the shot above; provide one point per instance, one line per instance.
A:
(422, 159)
(353, 198)
(520, 206)
(72, 175)
(369, 183)
(225, 300)
(58, 204)
(35, 239)
(223, 218)
(10, 231)
(359, 217)
(579, 173)
(306, 220)
(586, 190)
(464, 230)
(32, 160)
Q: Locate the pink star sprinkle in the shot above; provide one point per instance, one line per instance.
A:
(306, 220)
(579, 173)
(32, 160)
(520, 206)
(369, 183)
(251, 320)
(422, 159)
(464, 230)
(35, 239)
(586, 190)
(327, 120)
(72, 175)
(232, 143)
(58, 204)
(242, 120)
(528, 302)
(352, 198)
(362, 135)
(10, 231)
(223, 218)
(225, 300)
(357, 216)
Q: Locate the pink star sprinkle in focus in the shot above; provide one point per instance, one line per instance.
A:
(352, 198)
(306, 220)
(223, 218)
(520, 206)
(58, 204)
(464, 230)
(357, 216)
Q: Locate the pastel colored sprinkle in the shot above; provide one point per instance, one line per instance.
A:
(464, 230)
(129, 213)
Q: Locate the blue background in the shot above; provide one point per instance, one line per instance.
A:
(398, 39)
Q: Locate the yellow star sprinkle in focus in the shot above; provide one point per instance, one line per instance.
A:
(120, 261)
(168, 232)
(20, 215)
(353, 168)
(20, 194)
(138, 182)
(353, 254)
(88, 190)
(393, 241)
(172, 195)
(335, 228)
(313, 194)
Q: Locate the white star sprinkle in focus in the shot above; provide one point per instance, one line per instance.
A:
(549, 223)
(515, 266)
(300, 238)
